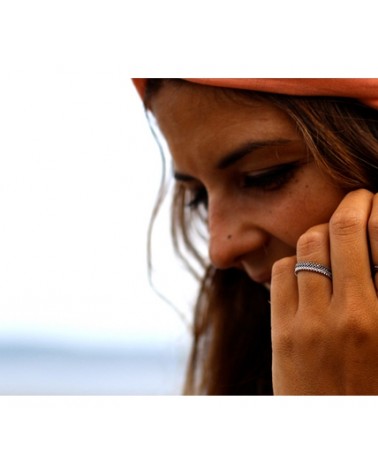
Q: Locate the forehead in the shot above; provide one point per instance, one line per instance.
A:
(199, 120)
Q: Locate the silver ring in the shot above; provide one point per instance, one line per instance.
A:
(314, 267)
(375, 269)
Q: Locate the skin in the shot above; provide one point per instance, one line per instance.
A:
(324, 333)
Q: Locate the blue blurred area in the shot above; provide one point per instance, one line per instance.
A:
(46, 366)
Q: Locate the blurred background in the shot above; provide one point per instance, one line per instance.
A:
(79, 173)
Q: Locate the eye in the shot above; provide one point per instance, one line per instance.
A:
(197, 198)
(271, 179)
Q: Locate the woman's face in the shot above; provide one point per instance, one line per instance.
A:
(246, 162)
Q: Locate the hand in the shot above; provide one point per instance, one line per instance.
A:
(325, 332)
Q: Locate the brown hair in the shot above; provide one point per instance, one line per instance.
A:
(231, 351)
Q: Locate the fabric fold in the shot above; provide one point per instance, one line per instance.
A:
(364, 90)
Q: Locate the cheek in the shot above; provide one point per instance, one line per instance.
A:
(301, 209)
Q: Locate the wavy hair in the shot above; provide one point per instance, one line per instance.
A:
(231, 350)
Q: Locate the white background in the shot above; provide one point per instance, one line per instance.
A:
(79, 175)
(64, 64)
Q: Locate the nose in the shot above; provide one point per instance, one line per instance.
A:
(233, 236)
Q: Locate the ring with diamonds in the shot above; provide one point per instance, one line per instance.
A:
(314, 267)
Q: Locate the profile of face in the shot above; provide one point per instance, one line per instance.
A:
(246, 162)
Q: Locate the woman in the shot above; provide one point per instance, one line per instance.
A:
(284, 174)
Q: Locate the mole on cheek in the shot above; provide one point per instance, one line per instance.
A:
(229, 236)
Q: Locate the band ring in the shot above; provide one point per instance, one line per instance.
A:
(375, 269)
(314, 267)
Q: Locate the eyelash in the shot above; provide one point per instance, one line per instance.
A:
(269, 181)
(199, 198)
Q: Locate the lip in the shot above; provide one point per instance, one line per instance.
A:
(263, 280)
(258, 277)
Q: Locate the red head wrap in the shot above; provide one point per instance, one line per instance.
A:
(365, 90)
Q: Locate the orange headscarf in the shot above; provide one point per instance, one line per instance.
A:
(364, 90)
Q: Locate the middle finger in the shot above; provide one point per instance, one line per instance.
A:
(349, 243)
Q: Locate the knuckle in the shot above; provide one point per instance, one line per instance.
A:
(310, 335)
(282, 343)
(300, 339)
(347, 221)
(282, 267)
(355, 323)
(355, 329)
(311, 242)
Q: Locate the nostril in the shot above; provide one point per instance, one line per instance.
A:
(224, 251)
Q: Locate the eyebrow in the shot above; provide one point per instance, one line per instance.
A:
(238, 154)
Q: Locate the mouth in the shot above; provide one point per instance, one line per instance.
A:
(259, 277)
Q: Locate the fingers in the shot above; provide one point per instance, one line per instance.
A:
(284, 298)
(313, 246)
(349, 245)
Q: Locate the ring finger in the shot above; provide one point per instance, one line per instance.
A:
(313, 247)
